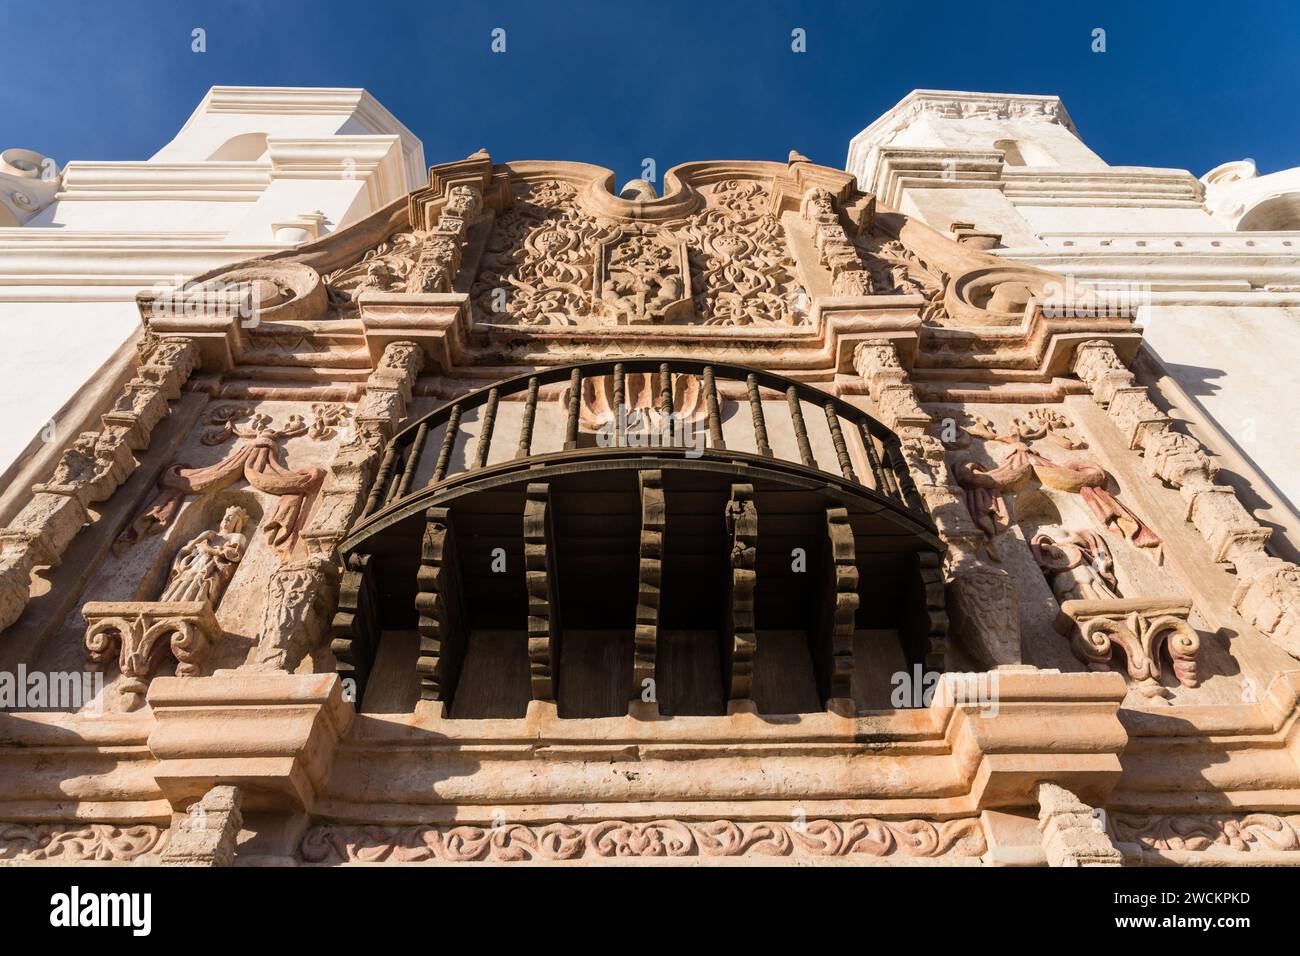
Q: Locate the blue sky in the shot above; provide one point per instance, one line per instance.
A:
(1187, 85)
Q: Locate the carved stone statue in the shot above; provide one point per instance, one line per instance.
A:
(204, 567)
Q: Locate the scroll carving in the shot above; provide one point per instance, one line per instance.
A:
(1143, 630)
(332, 844)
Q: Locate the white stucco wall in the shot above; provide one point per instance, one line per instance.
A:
(88, 237)
(1216, 260)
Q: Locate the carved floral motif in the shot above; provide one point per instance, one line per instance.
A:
(616, 839)
(1247, 832)
(95, 842)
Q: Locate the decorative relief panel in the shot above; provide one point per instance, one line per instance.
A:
(615, 839)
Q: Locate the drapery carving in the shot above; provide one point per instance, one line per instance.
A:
(256, 462)
(986, 487)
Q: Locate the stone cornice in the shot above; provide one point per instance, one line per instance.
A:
(957, 105)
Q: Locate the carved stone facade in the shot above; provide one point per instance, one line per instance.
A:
(535, 523)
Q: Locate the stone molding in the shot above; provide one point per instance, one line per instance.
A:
(91, 470)
(271, 735)
(1267, 594)
(853, 840)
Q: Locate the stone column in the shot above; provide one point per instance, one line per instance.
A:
(982, 603)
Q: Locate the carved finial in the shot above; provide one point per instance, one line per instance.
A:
(797, 157)
(638, 190)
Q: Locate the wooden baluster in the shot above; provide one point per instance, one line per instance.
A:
(800, 427)
(575, 404)
(884, 481)
(620, 405)
(381, 480)
(715, 417)
(904, 486)
(485, 435)
(413, 461)
(841, 448)
(395, 479)
(756, 411)
(666, 403)
(448, 443)
(530, 415)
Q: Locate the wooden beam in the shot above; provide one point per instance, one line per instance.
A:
(742, 525)
(650, 579)
(440, 603)
(356, 624)
(841, 605)
(543, 611)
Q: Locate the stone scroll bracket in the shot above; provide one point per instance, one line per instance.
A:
(1267, 594)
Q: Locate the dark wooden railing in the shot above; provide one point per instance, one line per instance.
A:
(888, 475)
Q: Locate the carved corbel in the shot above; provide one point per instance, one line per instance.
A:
(1143, 630)
(140, 633)
(1073, 833)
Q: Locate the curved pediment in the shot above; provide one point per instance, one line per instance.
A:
(487, 251)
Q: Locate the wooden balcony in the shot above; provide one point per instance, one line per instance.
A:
(733, 535)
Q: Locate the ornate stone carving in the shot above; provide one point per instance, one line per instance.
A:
(1078, 565)
(1143, 629)
(642, 278)
(64, 843)
(986, 488)
(1268, 593)
(299, 599)
(985, 613)
(1072, 834)
(91, 470)
(206, 835)
(421, 261)
(741, 270)
(332, 844)
(204, 566)
(140, 633)
(388, 390)
(1243, 832)
(256, 461)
